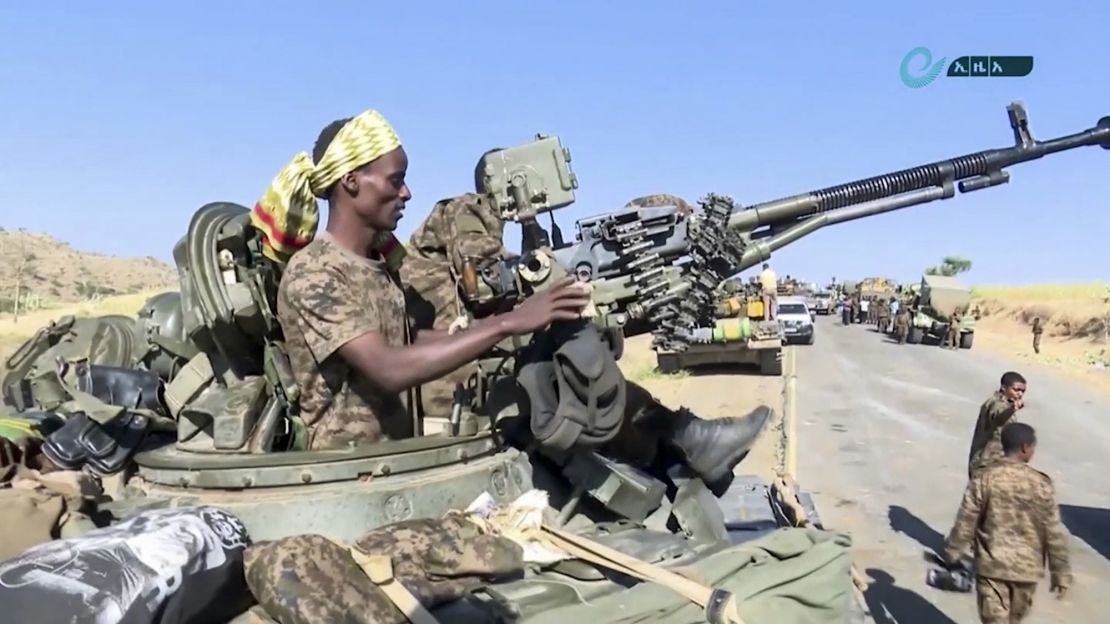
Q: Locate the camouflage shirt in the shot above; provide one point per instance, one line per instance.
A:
(986, 442)
(1009, 513)
(327, 297)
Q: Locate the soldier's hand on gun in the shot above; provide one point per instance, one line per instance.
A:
(563, 301)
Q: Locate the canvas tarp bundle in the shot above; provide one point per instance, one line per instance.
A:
(791, 576)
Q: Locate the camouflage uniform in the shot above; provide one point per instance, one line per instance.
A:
(952, 338)
(882, 313)
(310, 578)
(902, 325)
(1038, 329)
(660, 199)
(986, 443)
(1009, 513)
(327, 297)
(467, 226)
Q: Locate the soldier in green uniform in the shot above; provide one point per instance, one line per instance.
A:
(352, 348)
(1038, 329)
(996, 412)
(459, 229)
(952, 338)
(902, 324)
(1010, 519)
(711, 448)
(882, 313)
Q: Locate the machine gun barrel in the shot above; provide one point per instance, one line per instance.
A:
(763, 244)
(973, 171)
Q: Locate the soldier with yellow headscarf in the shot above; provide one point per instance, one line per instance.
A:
(355, 356)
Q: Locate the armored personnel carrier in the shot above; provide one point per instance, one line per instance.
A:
(741, 335)
(209, 411)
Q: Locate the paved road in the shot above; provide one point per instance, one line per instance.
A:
(883, 433)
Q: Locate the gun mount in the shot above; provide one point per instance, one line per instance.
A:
(655, 269)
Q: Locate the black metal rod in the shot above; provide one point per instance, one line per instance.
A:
(976, 165)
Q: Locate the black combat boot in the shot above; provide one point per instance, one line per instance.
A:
(710, 448)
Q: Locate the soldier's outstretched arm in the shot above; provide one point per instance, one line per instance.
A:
(967, 519)
(999, 412)
(396, 369)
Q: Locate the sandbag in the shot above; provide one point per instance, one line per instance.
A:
(169, 566)
(790, 576)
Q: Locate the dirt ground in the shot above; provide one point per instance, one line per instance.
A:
(1076, 342)
(715, 393)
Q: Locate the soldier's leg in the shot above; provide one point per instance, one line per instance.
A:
(711, 448)
(1036, 343)
(993, 598)
(1021, 600)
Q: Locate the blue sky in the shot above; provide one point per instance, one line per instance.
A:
(121, 119)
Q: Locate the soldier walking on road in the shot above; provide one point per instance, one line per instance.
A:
(902, 325)
(952, 338)
(996, 412)
(882, 312)
(1038, 329)
(1010, 519)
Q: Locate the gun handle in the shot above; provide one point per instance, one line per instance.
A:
(469, 280)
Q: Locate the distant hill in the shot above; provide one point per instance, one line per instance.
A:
(56, 273)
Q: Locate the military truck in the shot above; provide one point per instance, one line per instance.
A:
(938, 297)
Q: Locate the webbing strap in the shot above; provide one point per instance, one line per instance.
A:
(719, 604)
(379, 569)
(188, 383)
(51, 392)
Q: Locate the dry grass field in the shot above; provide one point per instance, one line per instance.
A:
(13, 333)
(1076, 319)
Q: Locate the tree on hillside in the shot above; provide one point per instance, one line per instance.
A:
(949, 266)
(24, 264)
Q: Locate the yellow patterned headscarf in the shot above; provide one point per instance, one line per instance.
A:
(287, 214)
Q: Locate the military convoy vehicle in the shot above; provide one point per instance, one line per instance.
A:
(741, 335)
(208, 410)
(880, 287)
(824, 302)
(938, 297)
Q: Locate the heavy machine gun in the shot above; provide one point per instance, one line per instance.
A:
(655, 269)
